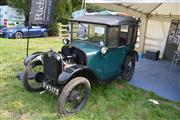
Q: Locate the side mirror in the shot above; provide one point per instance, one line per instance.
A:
(104, 50)
(66, 41)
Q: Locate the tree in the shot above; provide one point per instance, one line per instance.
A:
(21, 5)
(63, 8)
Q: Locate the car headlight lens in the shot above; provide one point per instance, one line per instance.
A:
(104, 50)
(66, 41)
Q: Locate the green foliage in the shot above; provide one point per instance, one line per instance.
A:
(54, 29)
(63, 8)
(20, 4)
(115, 101)
(63, 11)
(91, 8)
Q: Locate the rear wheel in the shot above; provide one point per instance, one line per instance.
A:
(45, 34)
(129, 67)
(33, 77)
(74, 96)
(18, 35)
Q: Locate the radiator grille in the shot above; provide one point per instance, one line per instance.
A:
(52, 65)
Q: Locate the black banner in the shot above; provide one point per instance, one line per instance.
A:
(42, 11)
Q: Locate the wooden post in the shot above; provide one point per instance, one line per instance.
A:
(142, 36)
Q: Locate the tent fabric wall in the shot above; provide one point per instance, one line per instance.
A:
(156, 34)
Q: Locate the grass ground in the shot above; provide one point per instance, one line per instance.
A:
(115, 101)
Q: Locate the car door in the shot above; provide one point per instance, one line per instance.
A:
(108, 65)
(27, 31)
(114, 60)
(35, 31)
(118, 49)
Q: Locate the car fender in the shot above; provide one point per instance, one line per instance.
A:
(75, 71)
(18, 31)
(134, 53)
(10, 34)
(34, 56)
(15, 31)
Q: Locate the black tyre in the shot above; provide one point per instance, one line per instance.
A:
(33, 77)
(74, 96)
(45, 34)
(129, 67)
(18, 35)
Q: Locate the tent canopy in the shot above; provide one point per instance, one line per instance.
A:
(148, 7)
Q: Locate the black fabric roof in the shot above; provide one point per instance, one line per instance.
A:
(111, 20)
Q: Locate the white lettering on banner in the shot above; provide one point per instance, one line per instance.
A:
(39, 12)
(49, 8)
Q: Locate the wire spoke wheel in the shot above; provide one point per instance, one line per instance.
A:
(74, 96)
(128, 68)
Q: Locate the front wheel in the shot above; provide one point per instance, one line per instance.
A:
(74, 96)
(33, 77)
(18, 35)
(45, 34)
(129, 67)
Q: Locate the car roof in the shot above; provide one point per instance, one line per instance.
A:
(111, 20)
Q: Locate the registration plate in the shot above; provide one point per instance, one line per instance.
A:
(51, 88)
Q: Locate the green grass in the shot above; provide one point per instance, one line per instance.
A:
(114, 101)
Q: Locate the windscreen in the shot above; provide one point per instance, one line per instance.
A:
(89, 32)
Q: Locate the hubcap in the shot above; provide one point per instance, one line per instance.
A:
(39, 77)
(75, 95)
(75, 98)
(18, 35)
(129, 68)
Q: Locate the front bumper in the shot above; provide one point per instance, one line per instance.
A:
(9, 35)
(2, 33)
(6, 35)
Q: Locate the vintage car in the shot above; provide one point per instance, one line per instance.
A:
(21, 31)
(101, 49)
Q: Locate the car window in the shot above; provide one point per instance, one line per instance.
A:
(112, 37)
(124, 28)
(89, 32)
(130, 34)
(123, 34)
(20, 25)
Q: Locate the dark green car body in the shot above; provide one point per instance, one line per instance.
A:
(101, 49)
(118, 38)
(110, 65)
(104, 66)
